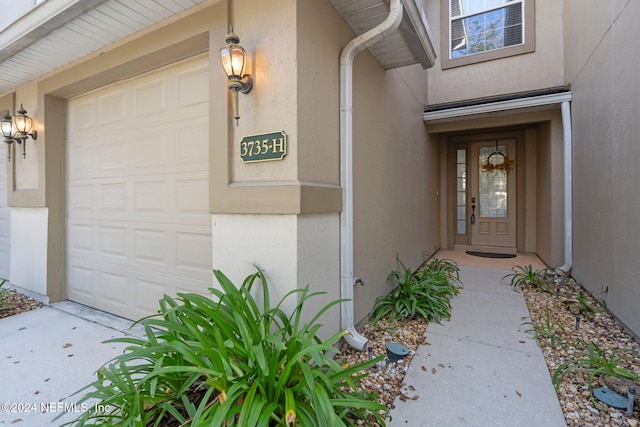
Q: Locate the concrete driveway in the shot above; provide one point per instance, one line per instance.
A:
(47, 355)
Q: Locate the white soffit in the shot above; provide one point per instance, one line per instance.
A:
(409, 44)
(57, 32)
(453, 113)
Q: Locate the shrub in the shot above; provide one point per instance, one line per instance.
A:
(425, 293)
(527, 276)
(595, 361)
(227, 361)
(546, 329)
(448, 266)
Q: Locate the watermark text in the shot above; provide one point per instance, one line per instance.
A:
(51, 407)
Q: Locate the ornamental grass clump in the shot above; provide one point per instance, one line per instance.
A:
(595, 361)
(526, 276)
(229, 361)
(425, 293)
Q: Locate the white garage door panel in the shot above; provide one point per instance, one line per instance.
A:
(176, 145)
(138, 214)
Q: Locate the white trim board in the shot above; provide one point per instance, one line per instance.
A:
(492, 107)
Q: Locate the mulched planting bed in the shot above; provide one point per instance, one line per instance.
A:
(385, 379)
(554, 315)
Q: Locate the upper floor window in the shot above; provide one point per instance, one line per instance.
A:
(481, 30)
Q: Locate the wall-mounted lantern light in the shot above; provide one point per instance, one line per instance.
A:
(17, 129)
(233, 61)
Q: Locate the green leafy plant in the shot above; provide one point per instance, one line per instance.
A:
(448, 266)
(586, 308)
(548, 330)
(426, 293)
(525, 276)
(596, 361)
(228, 361)
(604, 290)
(4, 304)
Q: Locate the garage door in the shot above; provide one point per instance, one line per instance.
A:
(138, 222)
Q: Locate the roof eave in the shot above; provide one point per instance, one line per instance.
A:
(40, 21)
(416, 32)
(408, 45)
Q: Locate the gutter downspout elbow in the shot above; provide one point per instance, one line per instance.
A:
(353, 338)
(568, 188)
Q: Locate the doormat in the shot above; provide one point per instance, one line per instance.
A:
(490, 255)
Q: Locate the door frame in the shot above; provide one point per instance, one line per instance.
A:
(525, 184)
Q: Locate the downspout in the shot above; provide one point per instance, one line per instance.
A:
(568, 188)
(347, 281)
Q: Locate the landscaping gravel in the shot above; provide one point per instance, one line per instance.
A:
(12, 302)
(574, 318)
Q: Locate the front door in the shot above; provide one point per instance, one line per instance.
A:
(492, 193)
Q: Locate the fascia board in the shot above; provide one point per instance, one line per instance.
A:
(492, 107)
(40, 21)
(422, 47)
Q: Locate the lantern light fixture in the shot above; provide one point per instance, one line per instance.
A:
(17, 129)
(233, 59)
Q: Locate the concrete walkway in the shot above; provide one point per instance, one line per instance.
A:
(480, 368)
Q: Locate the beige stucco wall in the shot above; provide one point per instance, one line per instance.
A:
(294, 91)
(550, 197)
(395, 179)
(282, 215)
(538, 70)
(318, 83)
(395, 210)
(26, 174)
(602, 70)
(270, 40)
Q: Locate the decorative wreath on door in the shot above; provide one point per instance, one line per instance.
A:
(498, 161)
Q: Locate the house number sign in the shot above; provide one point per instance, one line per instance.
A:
(264, 147)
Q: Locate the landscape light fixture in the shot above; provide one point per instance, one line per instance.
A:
(17, 129)
(233, 59)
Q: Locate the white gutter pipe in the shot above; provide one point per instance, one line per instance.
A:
(568, 188)
(347, 281)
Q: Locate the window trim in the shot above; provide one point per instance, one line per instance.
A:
(527, 47)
